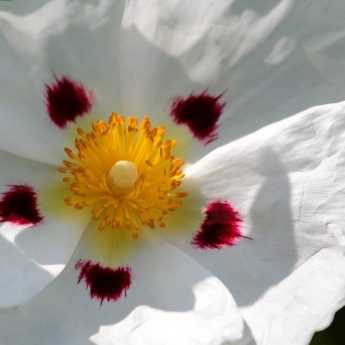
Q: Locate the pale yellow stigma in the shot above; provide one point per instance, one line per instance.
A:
(123, 175)
(125, 172)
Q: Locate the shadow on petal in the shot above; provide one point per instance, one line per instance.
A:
(272, 253)
(20, 277)
(163, 276)
(163, 284)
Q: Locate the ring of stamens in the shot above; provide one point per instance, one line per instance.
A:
(125, 172)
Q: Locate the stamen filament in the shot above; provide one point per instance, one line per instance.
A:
(125, 172)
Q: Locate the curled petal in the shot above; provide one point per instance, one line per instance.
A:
(173, 300)
(287, 182)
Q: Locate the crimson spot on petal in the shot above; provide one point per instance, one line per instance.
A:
(19, 205)
(200, 112)
(221, 227)
(67, 99)
(104, 283)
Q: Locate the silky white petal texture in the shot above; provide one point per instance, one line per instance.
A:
(137, 55)
(32, 256)
(260, 53)
(287, 181)
(310, 297)
(21, 7)
(73, 38)
(172, 300)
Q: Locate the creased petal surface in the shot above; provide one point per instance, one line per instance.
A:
(60, 38)
(287, 181)
(32, 256)
(21, 7)
(281, 58)
(270, 60)
(172, 300)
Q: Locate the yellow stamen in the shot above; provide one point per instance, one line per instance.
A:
(125, 172)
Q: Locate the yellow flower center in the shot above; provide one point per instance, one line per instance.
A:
(125, 172)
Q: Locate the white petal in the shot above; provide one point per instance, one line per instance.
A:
(73, 38)
(186, 48)
(173, 300)
(292, 68)
(155, 36)
(272, 58)
(31, 257)
(287, 181)
(139, 54)
(305, 301)
(21, 7)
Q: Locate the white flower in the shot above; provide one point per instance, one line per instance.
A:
(263, 263)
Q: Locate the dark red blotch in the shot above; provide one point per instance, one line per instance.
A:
(67, 99)
(19, 205)
(200, 112)
(221, 227)
(104, 283)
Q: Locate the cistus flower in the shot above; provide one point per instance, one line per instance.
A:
(132, 149)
